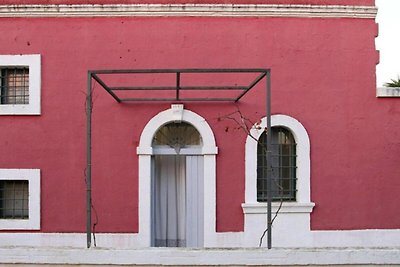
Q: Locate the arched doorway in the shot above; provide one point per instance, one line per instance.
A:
(188, 150)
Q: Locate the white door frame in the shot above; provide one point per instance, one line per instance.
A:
(145, 151)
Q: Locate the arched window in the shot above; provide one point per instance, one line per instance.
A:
(283, 159)
(177, 136)
(291, 180)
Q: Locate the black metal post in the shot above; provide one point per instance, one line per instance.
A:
(269, 163)
(178, 84)
(89, 160)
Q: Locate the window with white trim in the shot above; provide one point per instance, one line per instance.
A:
(298, 190)
(283, 171)
(20, 79)
(293, 221)
(19, 199)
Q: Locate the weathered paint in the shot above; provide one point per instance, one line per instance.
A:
(323, 74)
(299, 2)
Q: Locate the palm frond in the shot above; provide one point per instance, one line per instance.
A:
(393, 83)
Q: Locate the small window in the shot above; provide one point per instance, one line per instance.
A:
(19, 199)
(20, 82)
(283, 159)
(14, 85)
(14, 202)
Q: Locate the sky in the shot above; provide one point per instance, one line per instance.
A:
(388, 41)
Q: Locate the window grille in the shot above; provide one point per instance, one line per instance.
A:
(177, 136)
(14, 203)
(14, 85)
(283, 161)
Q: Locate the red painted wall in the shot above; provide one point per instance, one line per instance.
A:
(323, 74)
(310, 2)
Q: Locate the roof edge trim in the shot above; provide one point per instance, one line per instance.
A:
(191, 10)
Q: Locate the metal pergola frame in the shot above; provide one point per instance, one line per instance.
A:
(178, 89)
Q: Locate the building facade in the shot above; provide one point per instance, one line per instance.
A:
(192, 173)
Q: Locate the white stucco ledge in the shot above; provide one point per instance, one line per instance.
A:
(209, 150)
(192, 257)
(144, 151)
(388, 92)
(287, 207)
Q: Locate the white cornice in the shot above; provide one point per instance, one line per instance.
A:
(204, 10)
(388, 92)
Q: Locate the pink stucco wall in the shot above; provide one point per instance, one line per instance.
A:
(323, 74)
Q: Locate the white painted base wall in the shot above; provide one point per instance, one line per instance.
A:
(182, 256)
(361, 247)
(314, 239)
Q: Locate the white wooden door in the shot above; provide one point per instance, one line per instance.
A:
(194, 201)
(178, 201)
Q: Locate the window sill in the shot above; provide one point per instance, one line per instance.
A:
(287, 207)
(388, 92)
(19, 109)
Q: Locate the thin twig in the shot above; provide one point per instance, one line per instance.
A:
(243, 123)
(94, 225)
(272, 221)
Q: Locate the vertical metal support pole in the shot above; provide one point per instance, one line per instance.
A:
(89, 160)
(269, 161)
(178, 84)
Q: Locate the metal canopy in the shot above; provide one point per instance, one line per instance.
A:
(177, 89)
(230, 88)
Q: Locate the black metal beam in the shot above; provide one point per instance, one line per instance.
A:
(100, 81)
(177, 88)
(174, 99)
(139, 88)
(227, 87)
(170, 88)
(122, 71)
(259, 78)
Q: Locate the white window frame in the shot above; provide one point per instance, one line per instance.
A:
(293, 220)
(34, 65)
(33, 178)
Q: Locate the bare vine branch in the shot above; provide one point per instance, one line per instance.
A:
(247, 125)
